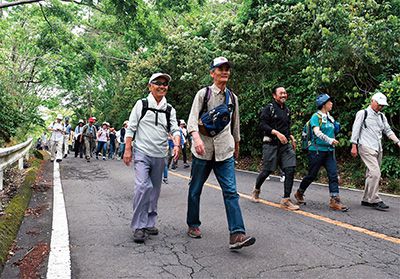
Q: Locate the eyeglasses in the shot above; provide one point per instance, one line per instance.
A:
(160, 83)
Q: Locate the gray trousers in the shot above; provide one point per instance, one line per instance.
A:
(56, 146)
(148, 174)
(372, 160)
(89, 145)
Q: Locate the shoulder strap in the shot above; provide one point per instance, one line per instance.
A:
(365, 117)
(205, 101)
(168, 115)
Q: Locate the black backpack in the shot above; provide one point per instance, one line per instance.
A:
(145, 108)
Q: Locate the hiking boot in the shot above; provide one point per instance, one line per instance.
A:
(287, 204)
(380, 206)
(194, 232)
(336, 204)
(299, 197)
(139, 236)
(239, 240)
(255, 195)
(151, 231)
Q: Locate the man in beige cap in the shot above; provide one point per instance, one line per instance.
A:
(368, 127)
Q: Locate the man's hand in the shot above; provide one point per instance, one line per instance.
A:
(354, 151)
(294, 145)
(176, 152)
(281, 138)
(335, 142)
(127, 157)
(128, 151)
(236, 153)
(198, 144)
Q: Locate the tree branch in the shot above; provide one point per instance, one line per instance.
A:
(17, 3)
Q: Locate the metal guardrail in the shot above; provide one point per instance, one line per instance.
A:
(10, 155)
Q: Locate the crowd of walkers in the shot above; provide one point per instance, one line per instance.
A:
(153, 139)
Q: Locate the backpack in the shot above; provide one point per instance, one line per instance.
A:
(145, 108)
(212, 122)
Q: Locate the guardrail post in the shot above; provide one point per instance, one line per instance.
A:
(21, 163)
(1, 179)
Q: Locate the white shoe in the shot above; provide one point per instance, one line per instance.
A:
(268, 178)
(282, 179)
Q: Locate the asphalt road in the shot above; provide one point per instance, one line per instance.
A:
(98, 197)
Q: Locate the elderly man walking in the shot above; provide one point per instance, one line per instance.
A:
(214, 148)
(57, 139)
(150, 122)
(366, 137)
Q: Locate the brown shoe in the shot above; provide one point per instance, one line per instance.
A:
(255, 195)
(239, 240)
(194, 232)
(299, 197)
(336, 204)
(286, 203)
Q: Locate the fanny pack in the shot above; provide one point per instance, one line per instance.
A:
(212, 122)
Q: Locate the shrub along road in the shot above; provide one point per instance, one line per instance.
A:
(315, 242)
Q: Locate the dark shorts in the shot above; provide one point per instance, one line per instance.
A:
(282, 155)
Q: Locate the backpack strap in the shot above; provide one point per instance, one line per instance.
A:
(145, 108)
(365, 117)
(206, 98)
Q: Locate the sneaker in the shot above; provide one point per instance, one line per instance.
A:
(239, 240)
(287, 204)
(282, 179)
(336, 204)
(299, 197)
(255, 195)
(165, 180)
(151, 231)
(52, 161)
(380, 206)
(104, 158)
(268, 178)
(97, 157)
(59, 160)
(186, 165)
(65, 156)
(364, 203)
(139, 236)
(173, 167)
(194, 232)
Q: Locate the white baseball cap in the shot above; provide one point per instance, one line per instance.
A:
(157, 75)
(380, 99)
(59, 116)
(218, 62)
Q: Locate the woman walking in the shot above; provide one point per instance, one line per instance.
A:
(321, 152)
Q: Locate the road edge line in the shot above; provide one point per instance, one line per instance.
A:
(59, 265)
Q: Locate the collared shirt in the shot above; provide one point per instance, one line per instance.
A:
(372, 135)
(222, 146)
(78, 131)
(275, 118)
(57, 135)
(152, 139)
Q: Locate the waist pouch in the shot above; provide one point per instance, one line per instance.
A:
(212, 122)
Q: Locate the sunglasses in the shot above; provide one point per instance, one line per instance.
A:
(160, 83)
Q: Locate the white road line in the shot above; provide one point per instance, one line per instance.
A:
(325, 185)
(59, 265)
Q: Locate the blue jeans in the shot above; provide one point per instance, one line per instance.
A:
(315, 161)
(225, 173)
(111, 151)
(101, 145)
(121, 150)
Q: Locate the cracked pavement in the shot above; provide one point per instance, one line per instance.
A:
(98, 198)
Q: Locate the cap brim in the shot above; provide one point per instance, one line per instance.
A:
(220, 64)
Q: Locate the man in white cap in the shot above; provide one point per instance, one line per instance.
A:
(368, 128)
(56, 139)
(150, 122)
(216, 149)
